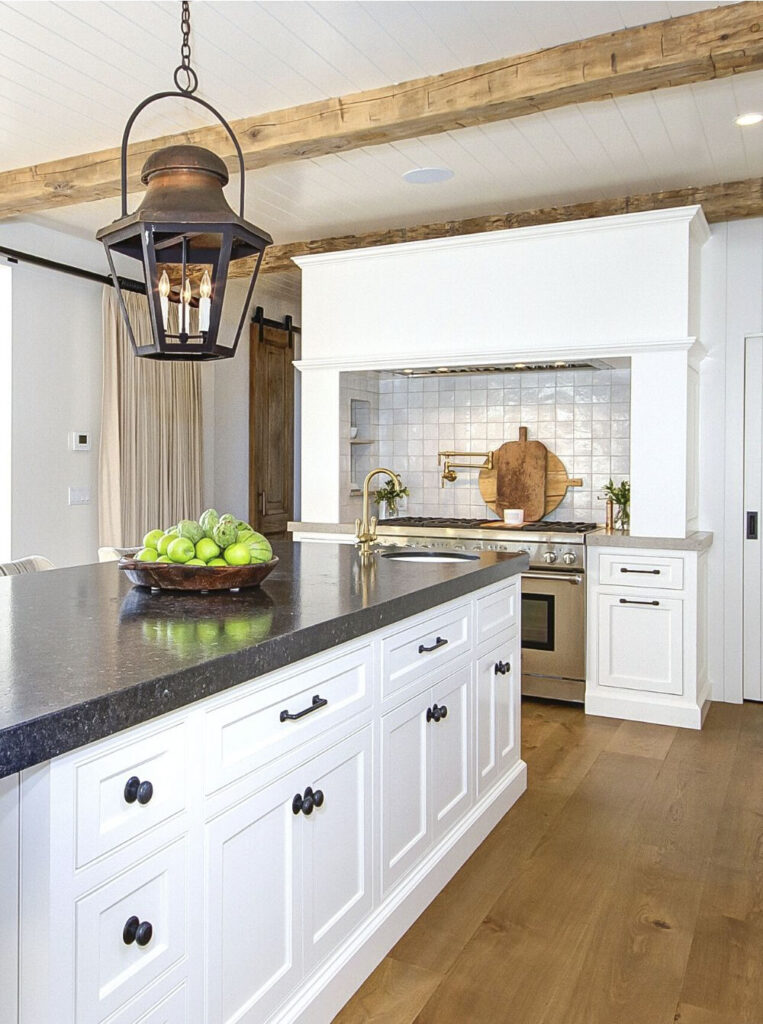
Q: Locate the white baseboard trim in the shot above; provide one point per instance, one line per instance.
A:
(644, 709)
(322, 995)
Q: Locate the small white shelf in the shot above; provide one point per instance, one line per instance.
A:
(358, 440)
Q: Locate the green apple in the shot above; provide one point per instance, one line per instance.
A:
(164, 558)
(180, 549)
(196, 561)
(147, 555)
(152, 538)
(217, 561)
(237, 554)
(164, 542)
(206, 549)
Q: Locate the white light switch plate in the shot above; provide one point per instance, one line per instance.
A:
(79, 495)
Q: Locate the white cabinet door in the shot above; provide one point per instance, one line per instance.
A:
(450, 751)
(253, 867)
(497, 712)
(336, 889)
(404, 788)
(640, 643)
(9, 897)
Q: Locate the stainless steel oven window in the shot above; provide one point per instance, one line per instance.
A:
(538, 622)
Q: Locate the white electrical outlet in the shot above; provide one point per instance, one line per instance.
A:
(79, 495)
(79, 441)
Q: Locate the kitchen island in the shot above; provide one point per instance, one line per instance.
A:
(229, 807)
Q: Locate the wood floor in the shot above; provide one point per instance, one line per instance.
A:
(625, 887)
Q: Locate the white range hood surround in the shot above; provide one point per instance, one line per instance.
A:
(608, 287)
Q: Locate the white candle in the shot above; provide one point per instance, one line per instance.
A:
(164, 297)
(185, 322)
(205, 302)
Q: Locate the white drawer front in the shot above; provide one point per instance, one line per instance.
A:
(425, 651)
(246, 733)
(648, 572)
(109, 971)
(109, 812)
(641, 643)
(497, 613)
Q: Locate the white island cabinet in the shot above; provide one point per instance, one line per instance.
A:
(250, 858)
(647, 634)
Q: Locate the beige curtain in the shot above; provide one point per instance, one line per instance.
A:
(151, 432)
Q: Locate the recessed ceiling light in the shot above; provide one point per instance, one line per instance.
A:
(745, 120)
(407, 371)
(427, 175)
(443, 369)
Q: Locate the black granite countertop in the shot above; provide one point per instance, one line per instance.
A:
(84, 654)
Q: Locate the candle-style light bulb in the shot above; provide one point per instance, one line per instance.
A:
(185, 298)
(164, 297)
(205, 303)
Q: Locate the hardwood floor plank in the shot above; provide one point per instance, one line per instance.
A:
(642, 740)
(393, 994)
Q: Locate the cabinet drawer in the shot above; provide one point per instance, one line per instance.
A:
(648, 572)
(422, 652)
(110, 970)
(108, 811)
(497, 613)
(641, 643)
(243, 734)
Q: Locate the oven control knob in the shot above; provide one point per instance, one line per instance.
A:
(549, 557)
(569, 558)
(522, 551)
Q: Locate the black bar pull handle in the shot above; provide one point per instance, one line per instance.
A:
(624, 600)
(643, 572)
(751, 520)
(439, 642)
(318, 702)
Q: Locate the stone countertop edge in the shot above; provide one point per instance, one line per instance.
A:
(697, 541)
(321, 528)
(41, 738)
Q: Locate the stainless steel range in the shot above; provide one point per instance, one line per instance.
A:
(553, 590)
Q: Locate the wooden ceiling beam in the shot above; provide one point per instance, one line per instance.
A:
(725, 201)
(696, 47)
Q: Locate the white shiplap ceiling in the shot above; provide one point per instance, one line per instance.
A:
(70, 73)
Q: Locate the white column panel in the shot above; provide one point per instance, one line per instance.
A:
(320, 445)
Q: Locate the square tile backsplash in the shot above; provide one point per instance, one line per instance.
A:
(583, 416)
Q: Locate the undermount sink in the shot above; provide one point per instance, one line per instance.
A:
(429, 556)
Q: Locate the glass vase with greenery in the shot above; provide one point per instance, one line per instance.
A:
(390, 495)
(621, 496)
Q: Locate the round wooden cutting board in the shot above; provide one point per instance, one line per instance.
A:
(540, 496)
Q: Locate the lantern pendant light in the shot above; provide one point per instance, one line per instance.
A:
(186, 236)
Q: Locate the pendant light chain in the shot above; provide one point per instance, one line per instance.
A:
(184, 70)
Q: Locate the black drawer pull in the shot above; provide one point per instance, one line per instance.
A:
(137, 790)
(643, 572)
(318, 702)
(435, 713)
(502, 667)
(439, 642)
(306, 803)
(138, 931)
(624, 600)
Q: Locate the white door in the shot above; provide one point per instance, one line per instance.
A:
(253, 864)
(753, 504)
(336, 888)
(450, 751)
(404, 788)
(641, 642)
(497, 711)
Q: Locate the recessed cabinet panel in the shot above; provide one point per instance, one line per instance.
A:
(253, 852)
(173, 1009)
(337, 889)
(641, 643)
(450, 751)
(497, 712)
(422, 653)
(114, 963)
(508, 699)
(405, 817)
(108, 813)
(496, 612)
(245, 733)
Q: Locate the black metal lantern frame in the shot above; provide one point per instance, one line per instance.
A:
(185, 225)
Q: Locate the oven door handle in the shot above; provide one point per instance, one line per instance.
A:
(557, 576)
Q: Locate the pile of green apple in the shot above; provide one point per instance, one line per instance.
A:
(213, 540)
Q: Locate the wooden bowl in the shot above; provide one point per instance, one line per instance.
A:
(175, 576)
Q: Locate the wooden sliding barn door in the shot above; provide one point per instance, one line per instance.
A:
(271, 425)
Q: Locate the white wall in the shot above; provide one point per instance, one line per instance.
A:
(56, 388)
(6, 411)
(227, 430)
(732, 308)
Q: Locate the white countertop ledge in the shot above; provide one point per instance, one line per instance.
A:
(699, 540)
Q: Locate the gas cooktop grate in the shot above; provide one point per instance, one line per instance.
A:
(544, 526)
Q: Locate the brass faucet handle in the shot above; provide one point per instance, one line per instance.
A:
(374, 521)
(357, 528)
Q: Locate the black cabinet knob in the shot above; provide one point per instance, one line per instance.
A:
(135, 930)
(137, 790)
(502, 667)
(435, 713)
(306, 803)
